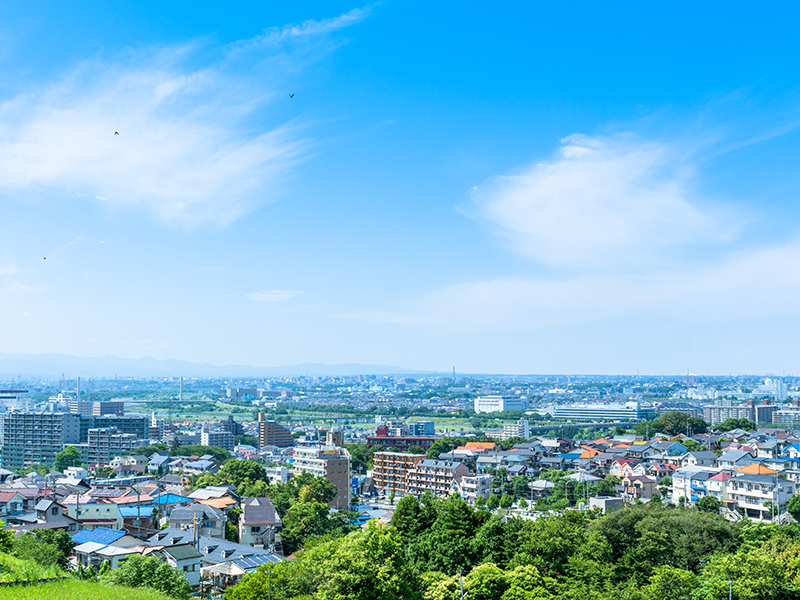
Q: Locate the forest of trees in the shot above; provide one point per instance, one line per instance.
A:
(643, 552)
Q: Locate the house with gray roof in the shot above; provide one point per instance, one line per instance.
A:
(259, 523)
(208, 521)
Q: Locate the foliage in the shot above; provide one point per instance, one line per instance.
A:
(150, 572)
(219, 454)
(708, 504)
(68, 457)
(361, 455)
(6, 538)
(305, 520)
(148, 451)
(48, 547)
(365, 565)
(16, 569)
(672, 423)
(731, 424)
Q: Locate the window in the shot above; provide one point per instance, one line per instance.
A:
(54, 511)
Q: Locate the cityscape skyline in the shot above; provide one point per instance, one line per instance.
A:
(532, 189)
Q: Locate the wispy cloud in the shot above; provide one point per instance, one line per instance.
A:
(306, 29)
(613, 200)
(9, 270)
(273, 295)
(193, 147)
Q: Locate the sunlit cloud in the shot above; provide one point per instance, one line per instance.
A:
(273, 295)
(602, 202)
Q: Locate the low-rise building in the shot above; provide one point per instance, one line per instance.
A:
(259, 524)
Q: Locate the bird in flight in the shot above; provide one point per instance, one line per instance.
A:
(291, 95)
(116, 133)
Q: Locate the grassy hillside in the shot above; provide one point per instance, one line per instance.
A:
(14, 569)
(77, 590)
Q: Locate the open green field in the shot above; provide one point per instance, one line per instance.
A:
(71, 589)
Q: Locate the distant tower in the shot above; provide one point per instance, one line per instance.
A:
(78, 387)
(454, 373)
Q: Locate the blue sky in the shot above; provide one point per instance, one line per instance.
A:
(514, 187)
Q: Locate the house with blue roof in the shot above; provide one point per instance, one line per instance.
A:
(106, 537)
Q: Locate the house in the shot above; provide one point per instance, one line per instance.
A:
(623, 467)
(472, 486)
(735, 459)
(186, 558)
(208, 520)
(770, 449)
(11, 503)
(639, 486)
(214, 551)
(704, 458)
(689, 483)
(717, 486)
(606, 504)
(157, 465)
(259, 523)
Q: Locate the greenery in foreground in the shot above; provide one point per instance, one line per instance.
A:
(644, 552)
(72, 589)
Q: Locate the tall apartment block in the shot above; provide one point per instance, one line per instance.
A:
(136, 426)
(36, 437)
(390, 470)
(107, 442)
(219, 439)
(329, 461)
(271, 433)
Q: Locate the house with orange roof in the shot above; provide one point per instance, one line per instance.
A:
(480, 446)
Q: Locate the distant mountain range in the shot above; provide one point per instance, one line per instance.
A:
(53, 365)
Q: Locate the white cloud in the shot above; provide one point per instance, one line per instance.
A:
(192, 145)
(273, 295)
(309, 28)
(9, 270)
(603, 201)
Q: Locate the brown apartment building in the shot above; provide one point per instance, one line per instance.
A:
(271, 433)
(390, 469)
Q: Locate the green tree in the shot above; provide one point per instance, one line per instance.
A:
(149, 572)
(731, 424)
(219, 454)
(235, 471)
(6, 538)
(794, 507)
(708, 504)
(506, 501)
(523, 504)
(493, 501)
(47, 547)
(486, 582)
(68, 457)
(752, 576)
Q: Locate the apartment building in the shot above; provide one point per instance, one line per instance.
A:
(218, 439)
(390, 469)
(472, 486)
(439, 477)
(271, 433)
(520, 429)
(136, 426)
(752, 493)
(104, 443)
(95, 409)
(36, 437)
(329, 461)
